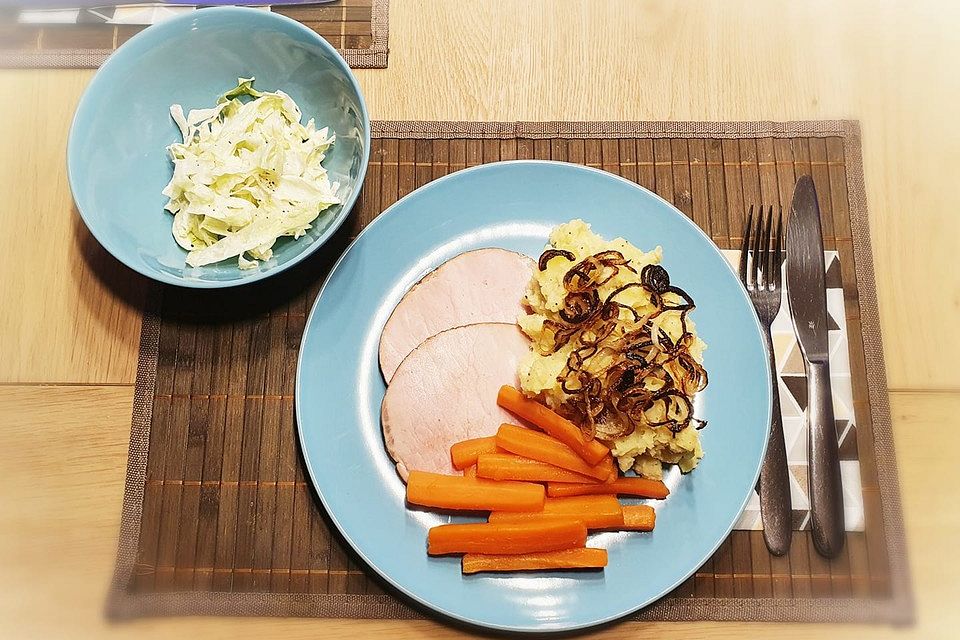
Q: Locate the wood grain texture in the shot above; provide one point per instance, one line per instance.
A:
(890, 65)
(61, 495)
(70, 312)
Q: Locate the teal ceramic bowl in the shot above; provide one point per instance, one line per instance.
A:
(116, 154)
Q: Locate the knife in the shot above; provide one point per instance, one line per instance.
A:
(807, 296)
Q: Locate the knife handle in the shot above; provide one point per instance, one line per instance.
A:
(826, 492)
(776, 509)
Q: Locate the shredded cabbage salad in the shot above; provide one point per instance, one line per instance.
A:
(246, 173)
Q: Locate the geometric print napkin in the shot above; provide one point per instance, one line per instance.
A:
(793, 404)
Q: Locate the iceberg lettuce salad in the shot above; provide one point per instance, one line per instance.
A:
(246, 173)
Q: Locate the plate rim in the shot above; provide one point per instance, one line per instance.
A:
(461, 618)
(156, 30)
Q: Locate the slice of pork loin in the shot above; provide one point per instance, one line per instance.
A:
(445, 391)
(486, 285)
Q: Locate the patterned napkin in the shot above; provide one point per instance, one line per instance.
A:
(793, 403)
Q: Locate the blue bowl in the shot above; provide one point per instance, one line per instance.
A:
(116, 154)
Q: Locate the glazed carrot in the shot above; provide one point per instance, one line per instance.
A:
(506, 466)
(457, 492)
(592, 451)
(470, 472)
(507, 538)
(638, 517)
(585, 558)
(463, 454)
(539, 446)
(611, 467)
(595, 512)
(632, 486)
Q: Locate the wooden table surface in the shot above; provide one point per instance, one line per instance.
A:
(70, 315)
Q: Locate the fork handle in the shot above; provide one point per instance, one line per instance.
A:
(776, 508)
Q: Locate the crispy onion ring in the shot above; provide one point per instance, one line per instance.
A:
(646, 377)
(550, 254)
(594, 271)
(655, 278)
(588, 275)
(579, 307)
(677, 410)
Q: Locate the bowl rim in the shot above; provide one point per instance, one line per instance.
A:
(175, 23)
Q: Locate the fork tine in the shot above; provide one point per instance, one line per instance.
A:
(766, 255)
(778, 251)
(745, 247)
(757, 255)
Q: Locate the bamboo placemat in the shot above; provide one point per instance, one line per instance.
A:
(357, 28)
(219, 517)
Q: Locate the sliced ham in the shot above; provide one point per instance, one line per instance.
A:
(486, 285)
(445, 391)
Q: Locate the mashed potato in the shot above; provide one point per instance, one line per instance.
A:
(646, 448)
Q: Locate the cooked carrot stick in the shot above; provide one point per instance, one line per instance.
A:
(506, 466)
(595, 512)
(539, 446)
(506, 538)
(585, 558)
(638, 517)
(475, 494)
(592, 451)
(632, 486)
(470, 472)
(610, 466)
(463, 454)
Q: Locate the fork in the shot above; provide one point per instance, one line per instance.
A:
(763, 283)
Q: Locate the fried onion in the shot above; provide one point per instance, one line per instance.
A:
(650, 378)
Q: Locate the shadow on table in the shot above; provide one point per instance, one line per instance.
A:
(109, 299)
(299, 283)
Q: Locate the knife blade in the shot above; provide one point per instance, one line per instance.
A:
(807, 297)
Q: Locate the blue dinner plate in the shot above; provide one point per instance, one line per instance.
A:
(514, 205)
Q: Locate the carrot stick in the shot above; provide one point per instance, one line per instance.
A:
(632, 486)
(638, 517)
(463, 454)
(457, 492)
(592, 451)
(539, 446)
(470, 472)
(586, 558)
(506, 466)
(595, 512)
(610, 466)
(508, 538)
